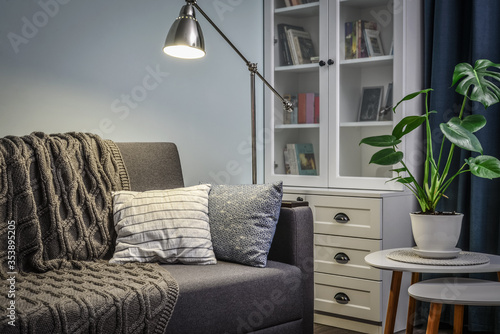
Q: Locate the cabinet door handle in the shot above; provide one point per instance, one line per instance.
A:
(322, 63)
(342, 298)
(341, 218)
(342, 258)
(330, 62)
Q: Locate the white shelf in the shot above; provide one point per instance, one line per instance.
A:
(305, 10)
(364, 3)
(367, 62)
(298, 126)
(298, 68)
(365, 124)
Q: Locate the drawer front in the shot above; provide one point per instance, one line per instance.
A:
(363, 216)
(345, 256)
(364, 296)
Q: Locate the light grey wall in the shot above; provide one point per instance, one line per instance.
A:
(98, 66)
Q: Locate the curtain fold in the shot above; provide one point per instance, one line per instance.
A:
(464, 31)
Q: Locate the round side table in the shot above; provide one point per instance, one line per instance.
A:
(381, 261)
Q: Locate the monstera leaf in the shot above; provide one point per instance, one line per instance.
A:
(483, 90)
(461, 136)
(484, 166)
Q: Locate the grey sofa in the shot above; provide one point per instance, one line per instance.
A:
(229, 297)
(55, 217)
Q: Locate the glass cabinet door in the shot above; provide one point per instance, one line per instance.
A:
(299, 139)
(364, 90)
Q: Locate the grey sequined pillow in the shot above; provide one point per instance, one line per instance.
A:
(243, 220)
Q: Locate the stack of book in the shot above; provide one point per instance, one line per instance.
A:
(299, 159)
(289, 3)
(295, 44)
(305, 108)
(356, 40)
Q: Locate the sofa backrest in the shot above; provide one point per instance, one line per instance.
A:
(152, 166)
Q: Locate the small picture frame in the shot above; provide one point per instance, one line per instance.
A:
(385, 114)
(371, 100)
(373, 43)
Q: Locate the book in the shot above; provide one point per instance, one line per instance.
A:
(305, 48)
(287, 161)
(305, 108)
(291, 159)
(302, 155)
(355, 38)
(299, 43)
(287, 115)
(309, 108)
(295, 112)
(316, 108)
(349, 54)
(291, 116)
(301, 117)
(284, 49)
(354, 41)
(293, 204)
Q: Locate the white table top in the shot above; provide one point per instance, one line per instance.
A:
(380, 260)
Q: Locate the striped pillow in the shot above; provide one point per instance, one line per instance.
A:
(166, 226)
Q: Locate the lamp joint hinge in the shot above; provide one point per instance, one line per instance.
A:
(252, 67)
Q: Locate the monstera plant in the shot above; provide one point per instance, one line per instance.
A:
(475, 84)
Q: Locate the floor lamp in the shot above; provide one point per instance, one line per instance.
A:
(185, 40)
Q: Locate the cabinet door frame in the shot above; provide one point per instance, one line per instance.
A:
(270, 104)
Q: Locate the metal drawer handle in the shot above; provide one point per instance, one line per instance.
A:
(342, 258)
(342, 298)
(341, 218)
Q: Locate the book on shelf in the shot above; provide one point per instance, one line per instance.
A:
(349, 50)
(305, 108)
(355, 38)
(290, 116)
(316, 108)
(300, 45)
(299, 159)
(301, 117)
(284, 48)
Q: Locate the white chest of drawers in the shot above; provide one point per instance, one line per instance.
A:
(348, 225)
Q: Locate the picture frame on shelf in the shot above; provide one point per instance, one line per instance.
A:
(385, 113)
(373, 43)
(371, 101)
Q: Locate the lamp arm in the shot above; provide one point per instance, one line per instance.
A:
(252, 67)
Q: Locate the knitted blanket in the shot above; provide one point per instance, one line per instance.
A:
(56, 226)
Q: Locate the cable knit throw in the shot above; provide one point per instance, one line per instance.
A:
(55, 194)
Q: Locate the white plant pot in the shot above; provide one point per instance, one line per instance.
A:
(436, 233)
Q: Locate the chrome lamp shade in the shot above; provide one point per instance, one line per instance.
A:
(185, 38)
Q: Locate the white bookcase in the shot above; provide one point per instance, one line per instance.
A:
(345, 182)
(340, 161)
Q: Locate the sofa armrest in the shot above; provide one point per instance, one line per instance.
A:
(293, 243)
(293, 239)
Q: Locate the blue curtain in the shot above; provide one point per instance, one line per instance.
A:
(464, 31)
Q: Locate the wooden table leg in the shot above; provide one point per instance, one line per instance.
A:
(458, 319)
(434, 317)
(392, 305)
(412, 304)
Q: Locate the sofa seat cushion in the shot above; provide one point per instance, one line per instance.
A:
(234, 298)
